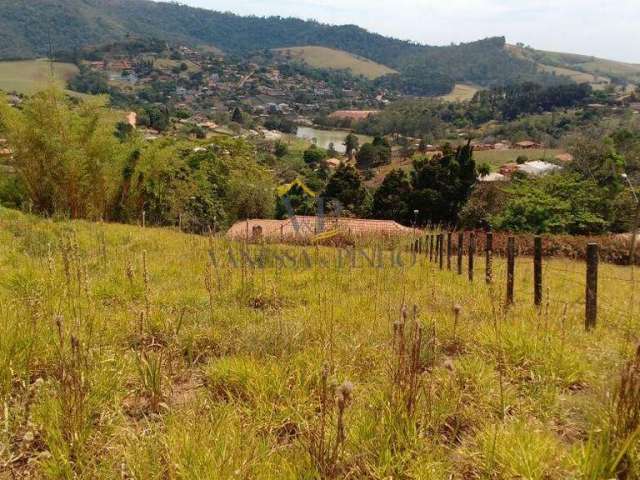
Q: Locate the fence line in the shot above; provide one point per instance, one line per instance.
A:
(541, 269)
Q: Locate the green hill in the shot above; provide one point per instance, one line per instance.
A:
(31, 28)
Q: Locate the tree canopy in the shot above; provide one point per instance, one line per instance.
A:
(65, 154)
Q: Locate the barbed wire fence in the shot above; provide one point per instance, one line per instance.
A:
(575, 280)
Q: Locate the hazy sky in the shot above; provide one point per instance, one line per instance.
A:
(604, 28)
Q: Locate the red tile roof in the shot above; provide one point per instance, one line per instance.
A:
(307, 227)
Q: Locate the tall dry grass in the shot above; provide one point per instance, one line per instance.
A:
(145, 353)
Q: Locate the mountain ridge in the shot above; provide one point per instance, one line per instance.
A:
(33, 28)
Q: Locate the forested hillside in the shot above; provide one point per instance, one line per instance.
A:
(32, 28)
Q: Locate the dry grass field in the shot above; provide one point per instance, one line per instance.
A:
(461, 92)
(581, 68)
(577, 76)
(150, 354)
(30, 76)
(321, 57)
(497, 158)
(168, 64)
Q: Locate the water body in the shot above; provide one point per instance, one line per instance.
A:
(323, 138)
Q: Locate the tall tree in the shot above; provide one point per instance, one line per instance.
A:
(367, 156)
(314, 155)
(351, 144)
(237, 116)
(442, 185)
(390, 202)
(374, 154)
(345, 186)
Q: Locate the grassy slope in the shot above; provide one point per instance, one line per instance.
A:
(577, 76)
(461, 92)
(167, 63)
(321, 57)
(233, 357)
(32, 75)
(497, 158)
(577, 66)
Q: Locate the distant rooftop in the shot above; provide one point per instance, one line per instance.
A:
(306, 227)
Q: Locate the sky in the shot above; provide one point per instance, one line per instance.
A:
(603, 28)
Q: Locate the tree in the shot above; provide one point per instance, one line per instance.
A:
(367, 156)
(281, 149)
(65, 154)
(281, 123)
(314, 155)
(406, 149)
(123, 131)
(156, 117)
(202, 187)
(345, 186)
(442, 185)
(390, 202)
(236, 117)
(90, 81)
(373, 154)
(331, 151)
(351, 144)
(299, 201)
(484, 169)
(597, 159)
(555, 203)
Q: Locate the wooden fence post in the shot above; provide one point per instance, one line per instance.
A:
(591, 304)
(431, 247)
(489, 257)
(435, 247)
(460, 251)
(441, 252)
(144, 219)
(537, 270)
(511, 263)
(472, 251)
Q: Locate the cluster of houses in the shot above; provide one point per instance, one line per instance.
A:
(213, 83)
(504, 145)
